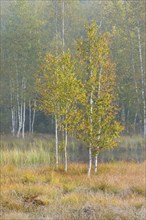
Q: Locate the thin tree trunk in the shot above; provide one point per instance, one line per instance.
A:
(22, 110)
(12, 112)
(63, 139)
(66, 132)
(13, 121)
(142, 80)
(16, 119)
(56, 140)
(30, 116)
(91, 128)
(95, 163)
(19, 106)
(135, 122)
(90, 148)
(33, 117)
(99, 121)
(90, 161)
(19, 119)
(65, 148)
(23, 107)
(19, 103)
(56, 119)
(23, 126)
(127, 120)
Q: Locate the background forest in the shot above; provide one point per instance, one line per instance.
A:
(94, 51)
(30, 29)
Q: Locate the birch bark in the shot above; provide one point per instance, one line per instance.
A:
(65, 147)
(56, 119)
(19, 118)
(56, 139)
(33, 117)
(24, 106)
(90, 146)
(30, 116)
(12, 110)
(99, 122)
(90, 161)
(95, 163)
(91, 127)
(66, 132)
(23, 123)
(142, 80)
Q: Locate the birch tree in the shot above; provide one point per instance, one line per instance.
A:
(59, 93)
(142, 79)
(72, 94)
(47, 84)
(99, 128)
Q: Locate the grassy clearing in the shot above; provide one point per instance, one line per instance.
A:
(40, 149)
(41, 192)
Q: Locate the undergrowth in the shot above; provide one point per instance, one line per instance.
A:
(117, 191)
(40, 149)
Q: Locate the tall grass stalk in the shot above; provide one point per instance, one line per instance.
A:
(40, 149)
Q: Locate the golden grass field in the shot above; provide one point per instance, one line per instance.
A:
(116, 192)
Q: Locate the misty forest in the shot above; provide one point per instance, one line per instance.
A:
(73, 110)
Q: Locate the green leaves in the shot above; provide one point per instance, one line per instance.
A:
(81, 92)
(98, 127)
(59, 89)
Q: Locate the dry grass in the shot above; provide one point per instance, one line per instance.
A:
(116, 192)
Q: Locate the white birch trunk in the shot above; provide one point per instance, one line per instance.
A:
(65, 148)
(23, 123)
(33, 117)
(56, 120)
(19, 114)
(90, 147)
(56, 140)
(13, 121)
(16, 119)
(24, 106)
(96, 156)
(12, 111)
(19, 119)
(135, 122)
(95, 163)
(21, 109)
(90, 160)
(91, 128)
(142, 80)
(29, 116)
(19, 106)
(66, 131)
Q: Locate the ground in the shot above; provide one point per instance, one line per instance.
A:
(116, 192)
